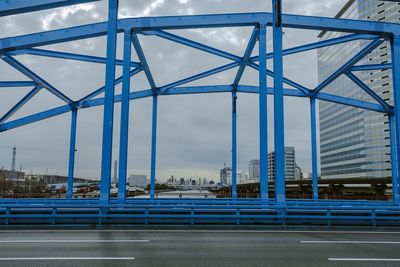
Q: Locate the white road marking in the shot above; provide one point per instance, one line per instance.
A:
(75, 241)
(360, 259)
(347, 242)
(66, 258)
(196, 231)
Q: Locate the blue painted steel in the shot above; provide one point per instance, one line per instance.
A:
(17, 84)
(369, 91)
(143, 61)
(11, 7)
(348, 65)
(30, 74)
(314, 149)
(371, 67)
(20, 103)
(393, 159)
(72, 150)
(234, 144)
(395, 46)
(229, 66)
(263, 117)
(123, 147)
(245, 60)
(190, 43)
(320, 44)
(65, 55)
(95, 93)
(279, 119)
(153, 148)
(300, 87)
(108, 117)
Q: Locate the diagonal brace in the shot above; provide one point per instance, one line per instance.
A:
(143, 61)
(30, 74)
(348, 65)
(244, 61)
(21, 103)
(164, 88)
(368, 90)
(192, 44)
(65, 55)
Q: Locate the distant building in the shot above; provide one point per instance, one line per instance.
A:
(8, 175)
(225, 175)
(254, 169)
(138, 180)
(290, 164)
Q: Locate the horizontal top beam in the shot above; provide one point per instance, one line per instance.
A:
(197, 21)
(12, 7)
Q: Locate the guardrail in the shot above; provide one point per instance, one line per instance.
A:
(198, 211)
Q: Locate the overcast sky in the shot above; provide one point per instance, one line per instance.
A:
(194, 131)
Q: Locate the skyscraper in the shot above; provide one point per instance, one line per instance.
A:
(254, 169)
(355, 142)
(290, 164)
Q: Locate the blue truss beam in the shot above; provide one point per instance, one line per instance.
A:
(72, 150)
(289, 82)
(225, 67)
(12, 7)
(189, 90)
(393, 159)
(30, 74)
(17, 84)
(124, 125)
(192, 44)
(314, 155)
(368, 90)
(320, 44)
(279, 118)
(198, 21)
(65, 55)
(371, 67)
(348, 65)
(101, 89)
(153, 147)
(246, 57)
(35, 118)
(143, 61)
(395, 51)
(108, 113)
(263, 115)
(20, 103)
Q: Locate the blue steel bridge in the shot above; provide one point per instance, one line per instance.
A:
(233, 210)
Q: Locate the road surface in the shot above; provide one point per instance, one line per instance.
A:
(205, 247)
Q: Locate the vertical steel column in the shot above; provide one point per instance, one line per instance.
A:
(124, 132)
(234, 145)
(71, 164)
(108, 117)
(395, 45)
(153, 148)
(262, 42)
(314, 149)
(393, 148)
(279, 125)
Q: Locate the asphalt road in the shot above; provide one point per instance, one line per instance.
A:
(197, 248)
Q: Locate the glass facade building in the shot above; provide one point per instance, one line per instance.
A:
(354, 142)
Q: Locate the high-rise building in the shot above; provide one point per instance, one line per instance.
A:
(355, 142)
(254, 169)
(290, 164)
(226, 175)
